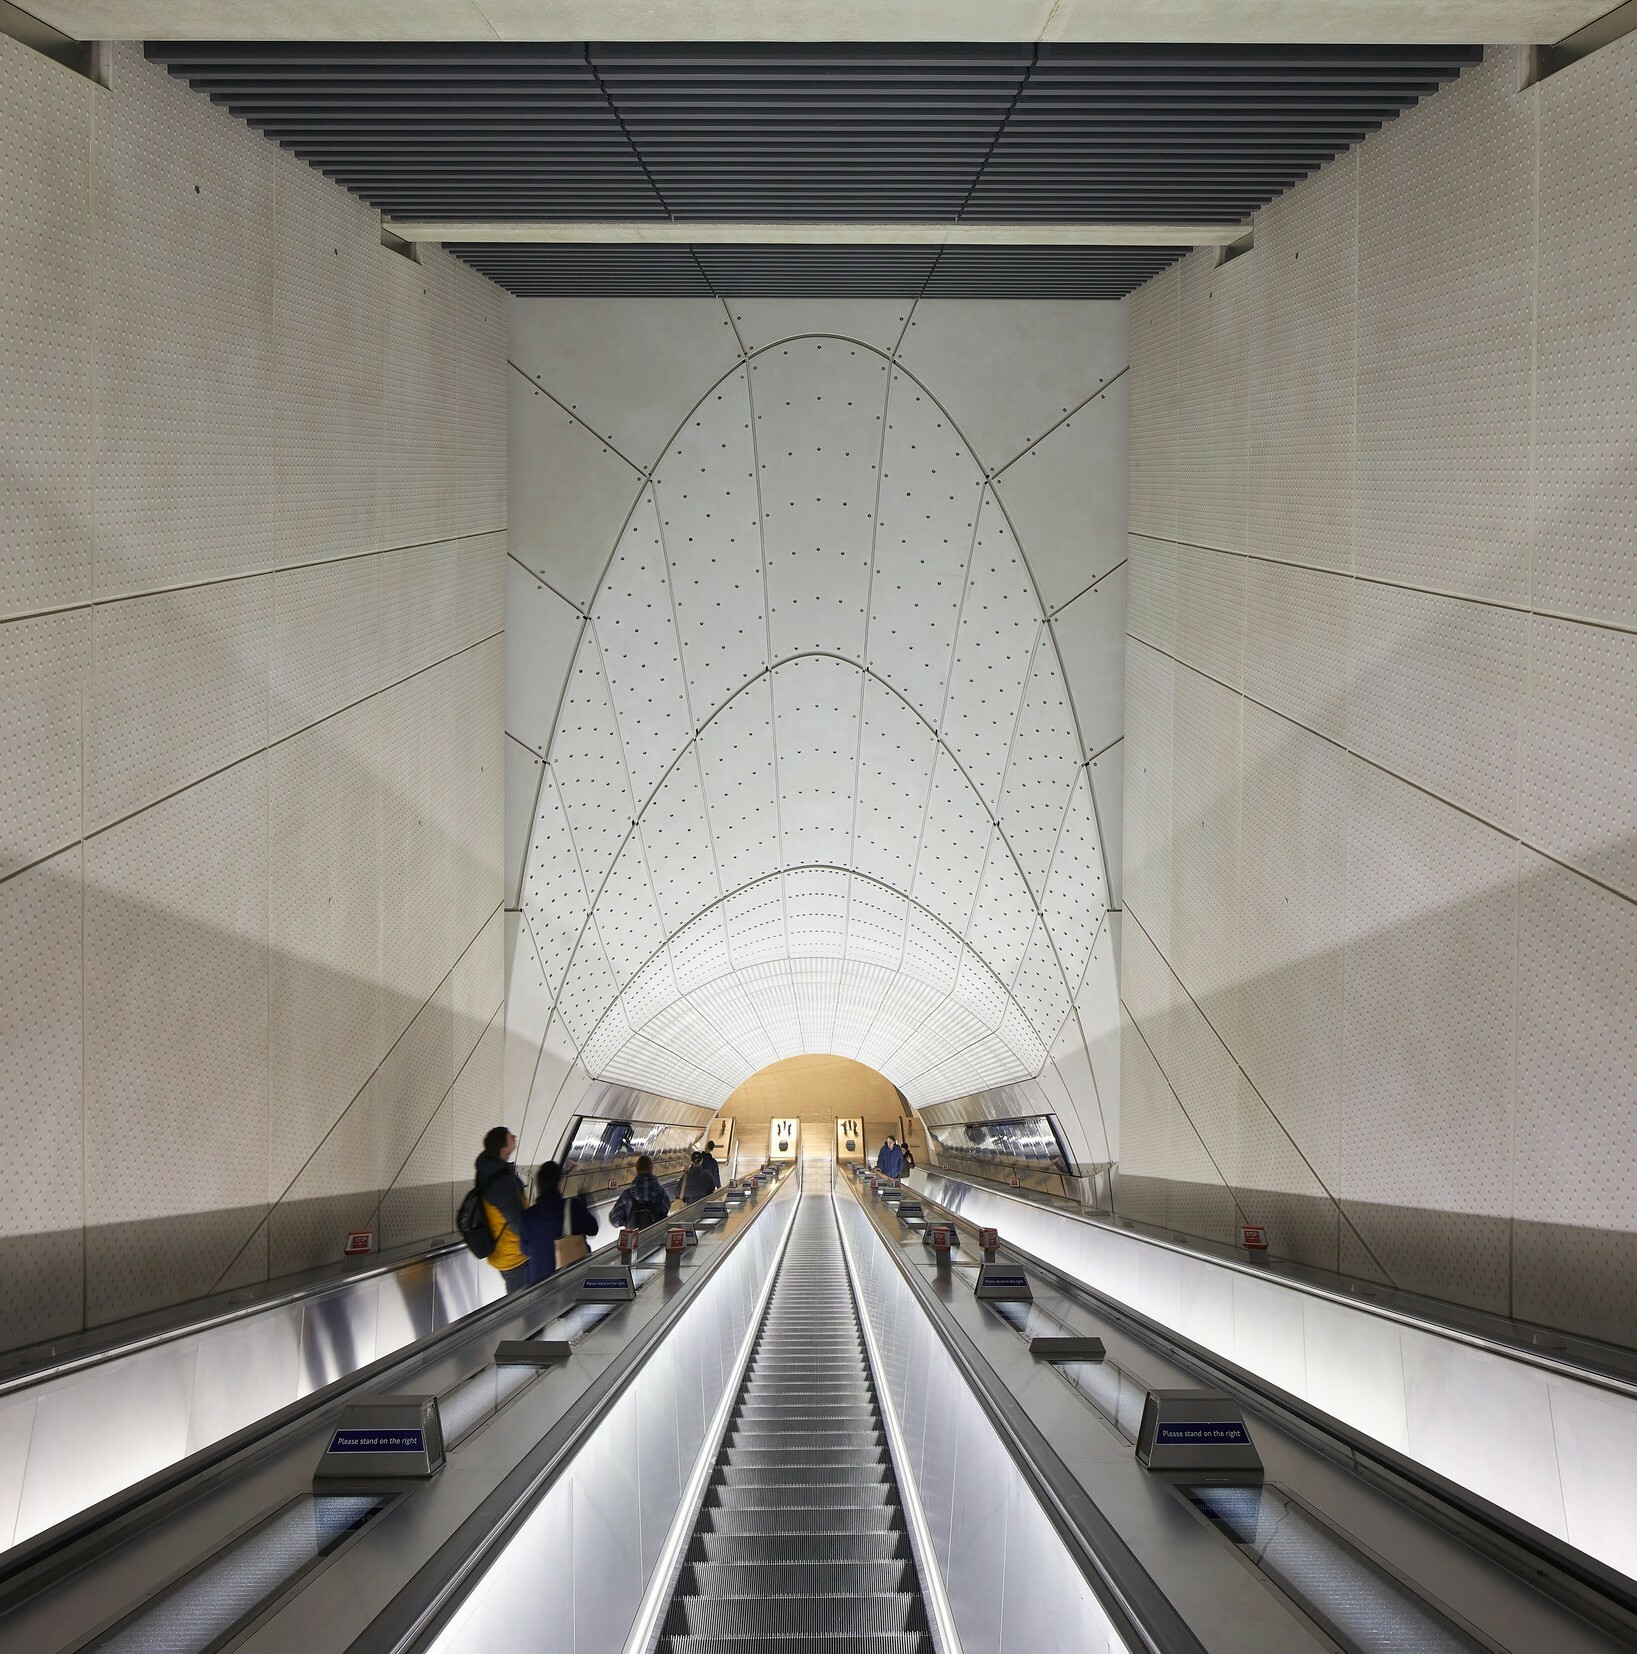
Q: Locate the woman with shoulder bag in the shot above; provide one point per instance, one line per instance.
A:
(555, 1226)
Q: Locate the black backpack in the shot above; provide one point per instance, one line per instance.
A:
(473, 1223)
(643, 1213)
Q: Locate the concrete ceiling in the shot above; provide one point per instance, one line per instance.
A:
(1329, 21)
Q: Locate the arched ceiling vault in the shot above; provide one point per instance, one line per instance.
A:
(816, 780)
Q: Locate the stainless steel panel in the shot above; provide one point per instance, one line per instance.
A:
(338, 1334)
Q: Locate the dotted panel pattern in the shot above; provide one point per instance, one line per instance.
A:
(930, 488)
(1151, 585)
(184, 320)
(1428, 1101)
(40, 1101)
(1074, 898)
(637, 635)
(1000, 622)
(896, 756)
(326, 643)
(1292, 913)
(1586, 345)
(816, 706)
(1066, 497)
(819, 410)
(1435, 692)
(178, 689)
(176, 1002)
(1445, 320)
(1146, 860)
(1155, 309)
(706, 488)
(542, 633)
(953, 845)
(1573, 1239)
(1304, 311)
(1040, 770)
(324, 924)
(554, 894)
(1003, 914)
(1040, 991)
(328, 379)
(1297, 626)
(676, 833)
(1580, 749)
(1214, 342)
(763, 322)
(590, 987)
(1090, 638)
(46, 662)
(588, 759)
(1211, 613)
(626, 913)
(45, 342)
(739, 769)
(481, 387)
(440, 598)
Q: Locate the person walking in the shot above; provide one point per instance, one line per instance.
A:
(643, 1201)
(502, 1193)
(553, 1224)
(697, 1181)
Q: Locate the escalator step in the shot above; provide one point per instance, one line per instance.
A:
(887, 1643)
(772, 1519)
(814, 1475)
(804, 1579)
(792, 1616)
(804, 1547)
(789, 1496)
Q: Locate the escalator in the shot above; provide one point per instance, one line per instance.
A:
(802, 1535)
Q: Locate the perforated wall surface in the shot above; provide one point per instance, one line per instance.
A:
(818, 779)
(1380, 795)
(251, 650)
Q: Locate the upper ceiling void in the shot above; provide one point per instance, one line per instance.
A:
(1330, 21)
(950, 134)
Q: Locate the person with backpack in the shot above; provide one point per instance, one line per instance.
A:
(555, 1226)
(697, 1182)
(643, 1201)
(491, 1216)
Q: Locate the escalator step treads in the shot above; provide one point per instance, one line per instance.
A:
(766, 1519)
(794, 1496)
(759, 1547)
(788, 1616)
(842, 1426)
(893, 1642)
(802, 1579)
(817, 1475)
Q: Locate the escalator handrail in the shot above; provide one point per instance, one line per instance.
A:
(1481, 1520)
(420, 1608)
(1142, 1615)
(46, 1556)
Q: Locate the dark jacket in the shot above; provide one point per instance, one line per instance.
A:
(543, 1228)
(890, 1161)
(714, 1167)
(645, 1190)
(697, 1182)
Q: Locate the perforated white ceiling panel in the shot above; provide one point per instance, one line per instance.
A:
(817, 781)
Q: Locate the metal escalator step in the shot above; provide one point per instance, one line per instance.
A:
(817, 1475)
(805, 1578)
(774, 1423)
(761, 1547)
(882, 1643)
(765, 1519)
(786, 1616)
(791, 1496)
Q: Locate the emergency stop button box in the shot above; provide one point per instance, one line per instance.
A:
(387, 1438)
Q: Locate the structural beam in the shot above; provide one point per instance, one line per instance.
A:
(669, 232)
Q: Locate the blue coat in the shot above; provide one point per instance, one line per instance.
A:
(890, 1161)
(543, 1228)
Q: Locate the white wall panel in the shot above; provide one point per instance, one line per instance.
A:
(1090, 635)
(819, 452)
(1151, 593)
(738, 767)
(589, 762)
(706, 488)
(1074, 898)
(569, 493)
(47, 661)
(46, 430)
(1297, 631)
(325, 651)
(1009, 370)
(419, 460)
(41, 1179)
(1428, 1102)
(1579, 770)
(1106, 772)
(1000, 623)
(1040, 769)
(1434, 694)
(324, 929)
(1585, 480)
(176, 995)
(630, 372)
(542, 634)
(676, 833)
(1155, 312)
(589, 988)
(438, 599)
(1003, 914)
(1303, 322)
(1211, 613)
(178, 689)
(816, 709)
(528, 1009)
(626, 913)
(875, 926)
(1211, 425)
(1444, 352)
(896, 755)
(953, 846)
(1147, 851)
(1066, 498)
(477, 987)
(877, 322)
(636, 633)
(554, 894)
(523, 774)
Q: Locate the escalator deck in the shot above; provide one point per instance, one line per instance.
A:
(801, 1537)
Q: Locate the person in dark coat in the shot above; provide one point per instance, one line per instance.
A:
(643, 1200)
(502, 1192)
(712, 1165)
(890, 1161)
(552, 1216)
(697, 1181)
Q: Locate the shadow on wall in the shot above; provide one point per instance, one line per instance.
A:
(237, 1118)
(1430, 1000)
